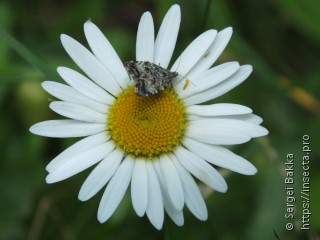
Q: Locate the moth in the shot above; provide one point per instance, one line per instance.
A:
(149, 78)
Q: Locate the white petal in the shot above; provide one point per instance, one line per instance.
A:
(139, 187)
(90, 65)
(104, 51)
(174, 214)
(220, 132)
(85, 86)
(252, 118)
(99, 177)
(220, 156)
(212, 54)
(223, 87)
(219, 109)
(193, 197)
(167, 37)
(66, 128)
(76, 149)
(145, 39)
(155, 210)
(79, 163)
(68, 94)
(193, 52)
(201, 169)
(172, 182)
(78, 112)
(115, 190)
(192, 117)
(252, 130)
(207, 80)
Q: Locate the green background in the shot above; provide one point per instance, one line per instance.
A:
(280, 38)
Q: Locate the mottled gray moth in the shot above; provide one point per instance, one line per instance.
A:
(148, 78)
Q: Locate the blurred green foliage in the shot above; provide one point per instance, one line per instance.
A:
(281, 39)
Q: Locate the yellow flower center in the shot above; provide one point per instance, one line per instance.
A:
(146, 126)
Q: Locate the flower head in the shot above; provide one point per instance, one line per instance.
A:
(154, 142)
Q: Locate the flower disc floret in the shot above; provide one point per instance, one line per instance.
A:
(147, 126)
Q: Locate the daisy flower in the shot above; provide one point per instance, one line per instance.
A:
(155, 144)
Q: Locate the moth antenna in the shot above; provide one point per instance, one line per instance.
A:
(183, 76)
(187, 81)
(178, 64)
(180, 77)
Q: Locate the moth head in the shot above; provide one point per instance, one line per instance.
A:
(132, 69)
